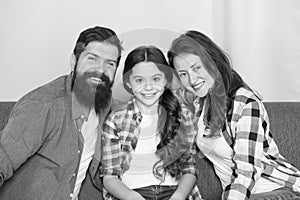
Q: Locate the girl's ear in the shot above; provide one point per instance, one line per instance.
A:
(128, 85)
(72, 62)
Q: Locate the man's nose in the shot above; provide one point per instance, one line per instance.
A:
(101, 66)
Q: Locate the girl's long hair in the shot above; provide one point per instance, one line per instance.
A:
(170, 108)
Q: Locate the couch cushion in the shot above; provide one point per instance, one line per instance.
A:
(285, 126)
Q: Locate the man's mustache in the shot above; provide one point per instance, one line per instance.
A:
(99, 75)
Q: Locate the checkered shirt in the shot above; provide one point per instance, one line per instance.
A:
(255, 152)
(121, 132)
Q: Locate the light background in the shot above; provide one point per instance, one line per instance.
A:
(262, 37)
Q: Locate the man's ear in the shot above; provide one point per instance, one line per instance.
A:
(72, 62)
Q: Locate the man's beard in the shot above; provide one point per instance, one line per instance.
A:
(99, 95)
(103, 94)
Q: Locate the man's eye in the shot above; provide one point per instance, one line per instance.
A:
(111, 64)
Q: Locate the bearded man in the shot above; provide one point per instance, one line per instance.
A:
(51, 145)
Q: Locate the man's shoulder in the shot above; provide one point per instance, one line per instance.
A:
(49, 92)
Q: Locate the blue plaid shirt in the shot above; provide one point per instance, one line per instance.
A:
(121, 130)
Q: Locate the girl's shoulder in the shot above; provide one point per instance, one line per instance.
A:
(121, 109)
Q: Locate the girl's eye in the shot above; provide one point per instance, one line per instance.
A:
(91, 58)
(156, 79)
(138, 80)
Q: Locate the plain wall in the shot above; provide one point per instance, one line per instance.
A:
(38, 36)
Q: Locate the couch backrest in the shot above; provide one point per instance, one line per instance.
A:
(285, 126)
(284, 119)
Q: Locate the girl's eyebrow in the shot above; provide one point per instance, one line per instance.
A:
(140, 76)
(157, 75)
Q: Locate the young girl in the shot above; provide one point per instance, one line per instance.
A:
(147, 152)
(233, 125)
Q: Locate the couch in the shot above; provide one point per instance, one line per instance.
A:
(285, 126)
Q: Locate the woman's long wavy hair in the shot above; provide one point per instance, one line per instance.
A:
(227, 81)
(170, 107)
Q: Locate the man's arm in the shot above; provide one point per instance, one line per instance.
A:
(22, 136)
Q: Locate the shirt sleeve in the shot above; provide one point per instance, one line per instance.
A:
(111, 149)
(22, 136)
(189, 131)
(247, 151)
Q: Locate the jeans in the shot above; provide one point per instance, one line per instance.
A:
(157, 192)
(284, 193)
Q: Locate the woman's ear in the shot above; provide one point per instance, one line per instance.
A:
(72, 62)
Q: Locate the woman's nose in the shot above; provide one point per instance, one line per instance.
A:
(192, 76)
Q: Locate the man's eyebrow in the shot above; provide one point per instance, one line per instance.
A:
(93, 54)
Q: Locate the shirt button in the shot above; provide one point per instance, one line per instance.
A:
(74, 174)
(78, 151)
(71, 195)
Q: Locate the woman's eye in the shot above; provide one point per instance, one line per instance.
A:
(197, 68)
(182, 75)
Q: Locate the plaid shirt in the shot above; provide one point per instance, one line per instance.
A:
(121, 130)
(255, 153)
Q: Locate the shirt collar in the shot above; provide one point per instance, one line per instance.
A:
(133, 108)
(77, 109)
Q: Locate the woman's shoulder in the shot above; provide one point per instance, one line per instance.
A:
(247, 99)
(245, 95)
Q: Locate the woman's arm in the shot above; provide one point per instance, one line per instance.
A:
(119, 190)
(247, 151)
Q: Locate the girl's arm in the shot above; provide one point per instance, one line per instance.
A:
(185, 186)
(119, 190)
(111, 162)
